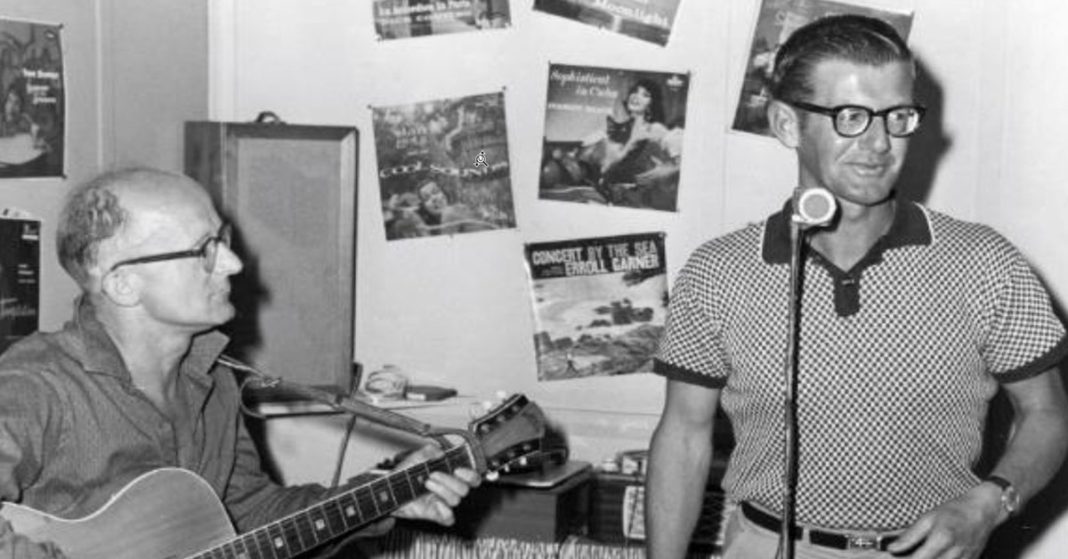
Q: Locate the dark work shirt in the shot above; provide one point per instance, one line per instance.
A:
(74, 429)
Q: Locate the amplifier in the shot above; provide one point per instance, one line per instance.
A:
(617, 511)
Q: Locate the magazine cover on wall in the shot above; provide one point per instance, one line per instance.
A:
(400, 19)
(776, 20)
(599, 304)
(31, 82)
(443, 167)
(20, 260)
(613, 137)
(648, 20)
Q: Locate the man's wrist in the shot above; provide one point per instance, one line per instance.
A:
(1008, 496)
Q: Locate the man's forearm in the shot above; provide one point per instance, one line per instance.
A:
(1035, 451)
(678, 472)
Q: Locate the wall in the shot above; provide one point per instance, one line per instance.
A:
(456, 310)
(134, 70)
(1021, 191)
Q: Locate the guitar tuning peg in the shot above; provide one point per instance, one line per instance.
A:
(523, 461)
(493, 476)
(487, 405)
(501, 395)
(475, 411)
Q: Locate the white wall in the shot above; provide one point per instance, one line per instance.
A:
(1023, 189)
(456, 310)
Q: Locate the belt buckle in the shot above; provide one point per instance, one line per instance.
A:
(856, 542)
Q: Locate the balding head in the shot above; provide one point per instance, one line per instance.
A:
(99, 211)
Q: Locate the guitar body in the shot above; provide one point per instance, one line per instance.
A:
(168, 513)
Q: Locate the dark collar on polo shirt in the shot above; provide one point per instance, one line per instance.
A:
(909, 228)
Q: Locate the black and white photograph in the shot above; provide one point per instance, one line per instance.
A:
(534, 279)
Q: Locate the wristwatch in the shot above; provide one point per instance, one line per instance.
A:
(1010, 498)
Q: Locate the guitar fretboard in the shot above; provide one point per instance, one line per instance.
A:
(343, 513)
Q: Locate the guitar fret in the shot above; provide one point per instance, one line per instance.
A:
(320, 524)
(365, 497)
(292, 534)
(304, 528)
(235, 551)
(263, 544)
(278, 541)
(335, 516)
(382, 493)
(252, 551)
(400, 488)
(350, 509)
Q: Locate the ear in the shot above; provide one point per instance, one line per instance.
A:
(785, 123)
(122, 287)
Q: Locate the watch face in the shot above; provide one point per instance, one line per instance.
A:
(1010, 499)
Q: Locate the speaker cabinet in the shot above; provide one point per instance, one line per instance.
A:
(290, 192)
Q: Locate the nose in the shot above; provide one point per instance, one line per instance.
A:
(227, 262)
(876, 138)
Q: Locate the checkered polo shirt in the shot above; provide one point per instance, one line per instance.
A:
(898, 360)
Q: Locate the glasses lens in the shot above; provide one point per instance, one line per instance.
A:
(852, 121)
(902, 121)
(211, 248)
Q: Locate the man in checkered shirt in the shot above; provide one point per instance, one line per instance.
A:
(911, 321)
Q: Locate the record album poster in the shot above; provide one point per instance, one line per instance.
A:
(648, 20)
(20, 270)
(443, 167)
(613, 137)
(400, 19)
(599, 304)
(31, 82)
(776, 20)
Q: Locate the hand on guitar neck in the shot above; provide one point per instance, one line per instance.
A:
(445, 490)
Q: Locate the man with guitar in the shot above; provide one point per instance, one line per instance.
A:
(131, 385)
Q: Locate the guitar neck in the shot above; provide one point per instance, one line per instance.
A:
(340, 514)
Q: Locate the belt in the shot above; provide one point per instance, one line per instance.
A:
(854, 542)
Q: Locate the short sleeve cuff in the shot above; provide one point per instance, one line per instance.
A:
(674, 372)
(1038, 366)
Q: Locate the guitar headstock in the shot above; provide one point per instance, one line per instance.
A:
(511, 434)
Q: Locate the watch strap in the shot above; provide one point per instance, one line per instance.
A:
(999, 481)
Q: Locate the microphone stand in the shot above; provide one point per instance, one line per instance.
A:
(812, 207)
(786, 531)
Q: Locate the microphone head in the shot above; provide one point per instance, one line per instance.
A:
(814, 207)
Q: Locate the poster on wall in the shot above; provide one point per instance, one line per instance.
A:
(401, 19)
(776, 20)
(443, 167)
(599, 304)
(20, 261)
(31, 81)
(648, 20)
(613, 137)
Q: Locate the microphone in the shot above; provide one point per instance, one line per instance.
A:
(813, 207)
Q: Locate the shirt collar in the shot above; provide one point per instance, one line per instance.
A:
(100, 355)
(910, 227)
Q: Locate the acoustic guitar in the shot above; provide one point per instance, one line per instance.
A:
(171, 513)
